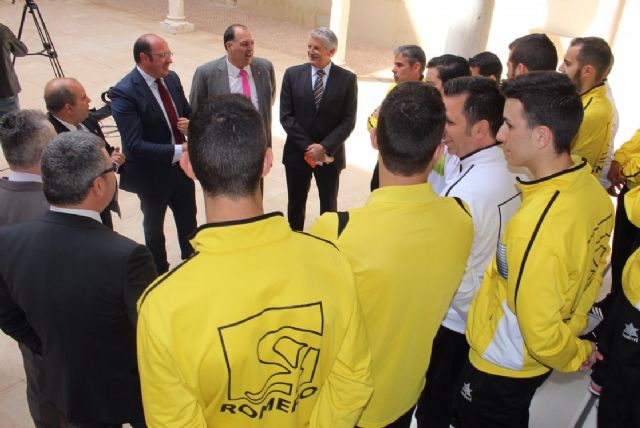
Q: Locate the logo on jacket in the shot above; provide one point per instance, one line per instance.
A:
(630, 332)
(271, 359)
(466, 391)
(501, 260)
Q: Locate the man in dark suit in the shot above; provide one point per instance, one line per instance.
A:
(238, 72)
(69, 286)
(152, 113)
(318, 105)
(68, 110)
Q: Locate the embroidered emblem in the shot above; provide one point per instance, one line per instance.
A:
(466, 391)
(630, 332)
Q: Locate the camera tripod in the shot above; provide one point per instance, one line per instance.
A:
(49, 49)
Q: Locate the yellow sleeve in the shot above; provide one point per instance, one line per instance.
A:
(631, 170)
(326, 227)
(537, 295)
(628, 150)
(347, 389)
(166, 398)
(594, 135)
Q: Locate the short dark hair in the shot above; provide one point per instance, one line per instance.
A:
(227, 144)
(536, 51)
(488, 64)
(449, 66)
(230, 33)
(594, 51)
(484, 101)
(70, 163)
(141, 45)
(413, 53)
(548, 98)
(56, 98)
(23, 135)
(410, 127)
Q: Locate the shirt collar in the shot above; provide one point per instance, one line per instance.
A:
(147, 77)
(69, 126)
(235, 71)
(326, 69)
(77, 211)
(24, 176)
(411, 194)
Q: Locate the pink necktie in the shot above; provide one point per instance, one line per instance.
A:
(246, 89)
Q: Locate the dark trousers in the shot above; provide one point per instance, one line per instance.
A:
(103, 425)
(43, 411)
(449, 354)
(490, 401)
(298, 185)
(180, 197)
(620, 370)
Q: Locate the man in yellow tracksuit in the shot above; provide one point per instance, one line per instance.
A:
(587, 62)
(408, 248)
(261, 327)
(619, 342)
(532, 304)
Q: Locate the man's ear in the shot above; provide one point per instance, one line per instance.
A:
(185, 164)
(521, 69)
(481, 128)
(268, 161)
(542, 136)
(373, 135)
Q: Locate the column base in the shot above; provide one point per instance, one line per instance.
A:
(176, 27)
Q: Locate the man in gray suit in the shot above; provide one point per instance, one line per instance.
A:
(237, 72)
(24, 134)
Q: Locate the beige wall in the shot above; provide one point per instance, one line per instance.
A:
(309, 13)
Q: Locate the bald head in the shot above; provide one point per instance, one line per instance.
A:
(67, 99)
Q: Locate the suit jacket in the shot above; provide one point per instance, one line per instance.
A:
(145, 133)
(330, 124)
(212, 78)
(21, 201)
(94, 127)
(72, 284)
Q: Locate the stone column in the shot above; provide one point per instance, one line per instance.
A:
(176, 22)
(339, 24)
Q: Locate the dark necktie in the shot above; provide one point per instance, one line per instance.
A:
(171, 111)
(318, 88)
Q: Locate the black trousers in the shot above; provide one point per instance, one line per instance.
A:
(490, 401)
(449, 354)
(298, 185)
(626, 238)
(180, 197)
(620, 370)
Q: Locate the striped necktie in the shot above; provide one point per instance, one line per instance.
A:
(318, 88)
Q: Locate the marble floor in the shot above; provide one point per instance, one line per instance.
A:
(94, 41)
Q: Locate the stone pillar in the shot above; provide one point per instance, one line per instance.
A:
(469, 30)
(176, 22)
(339, 24)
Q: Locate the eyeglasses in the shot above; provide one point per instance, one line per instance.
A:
(114, 168)
(163, 55)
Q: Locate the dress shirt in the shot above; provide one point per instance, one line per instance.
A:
(151, 81)
(314, 70)
(235, 82)
(69, 126)
(77, 211)
(24, 176)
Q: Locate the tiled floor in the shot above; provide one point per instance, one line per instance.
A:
(94, 44)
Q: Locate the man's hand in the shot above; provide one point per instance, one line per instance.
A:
(315, 152)
(184, 147)
(616, 178)
(183, 125)
(591, 359)
(118, 157)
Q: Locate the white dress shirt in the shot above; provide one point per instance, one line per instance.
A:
(235, 82)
